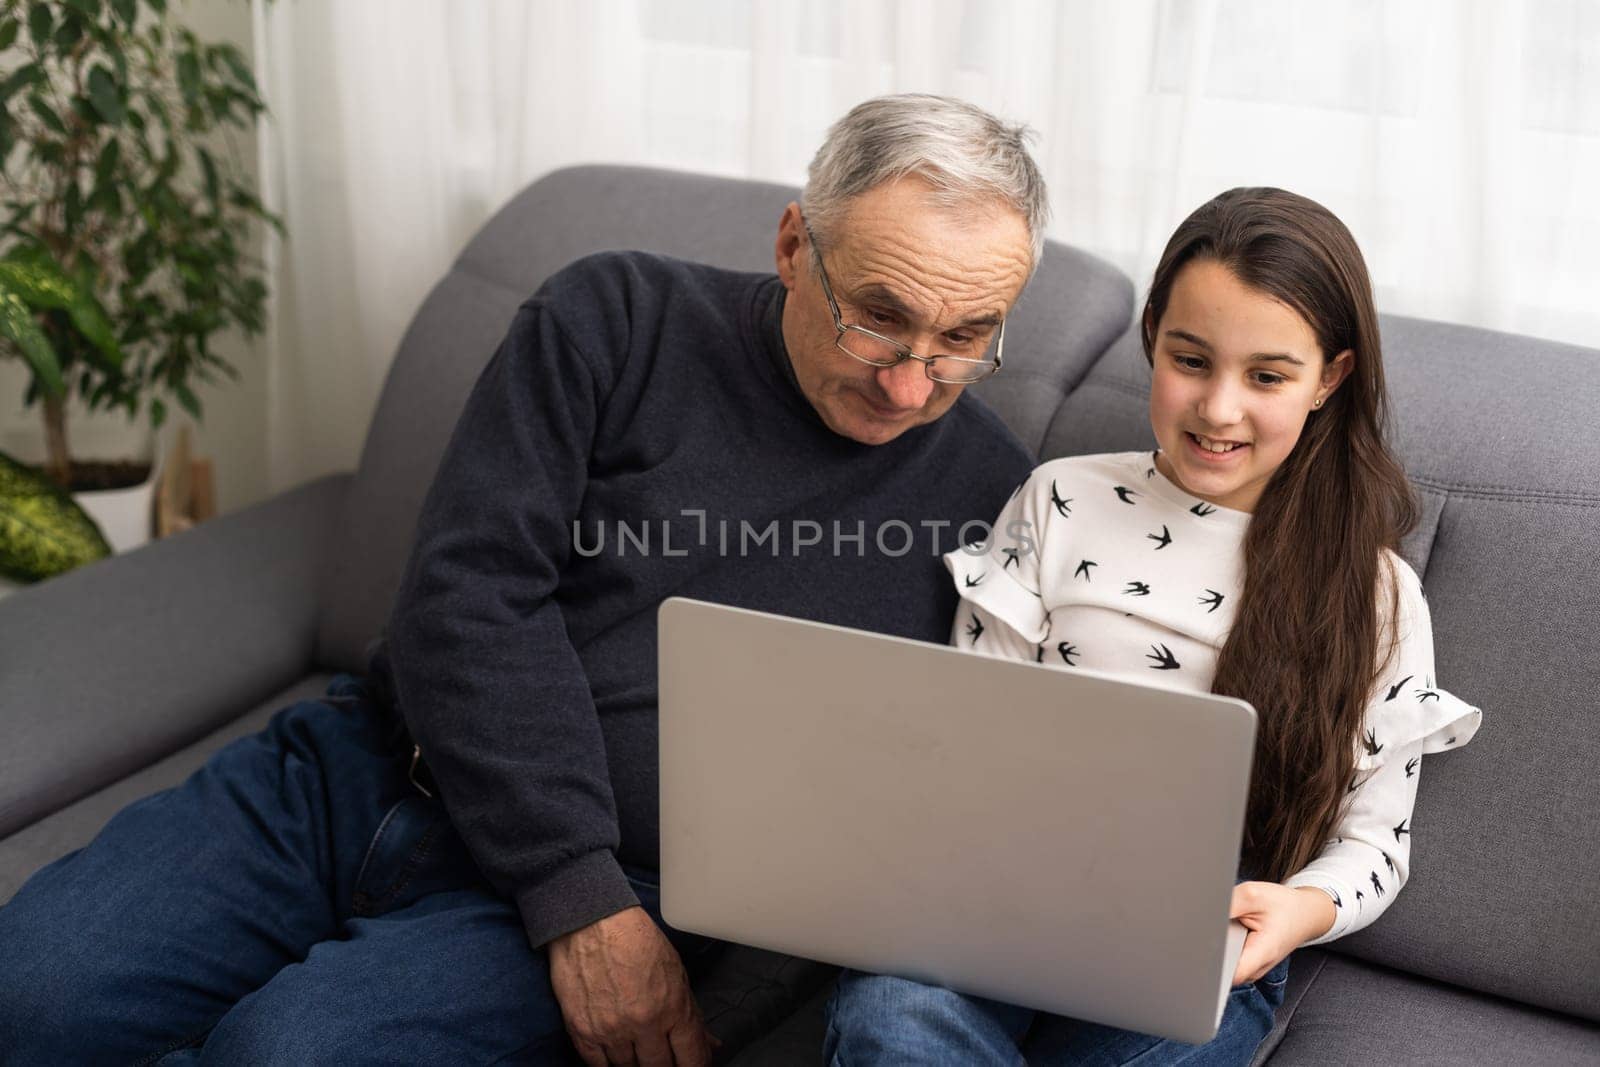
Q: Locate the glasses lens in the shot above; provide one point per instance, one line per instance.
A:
(959, 371)
(869, 349)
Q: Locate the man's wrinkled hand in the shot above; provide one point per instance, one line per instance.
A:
(625, 995)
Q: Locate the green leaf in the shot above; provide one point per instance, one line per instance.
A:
(18, 327)
(189, 76)
(241, 70)
(110, 155)
(127, 11)
(73, 206)
(85, 111)
(23, 75)
(213, 184)
(46, 113)
(8, 32)
(187, 400)
(37, 280)
(69, 33)
(43, 531)
(104, 95)
(40, 23)
(89, 8)
(158, 412)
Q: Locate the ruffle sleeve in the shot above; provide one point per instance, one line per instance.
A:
(1001, 574)
(1408, 706)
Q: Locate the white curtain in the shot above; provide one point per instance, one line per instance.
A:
(1459, 139)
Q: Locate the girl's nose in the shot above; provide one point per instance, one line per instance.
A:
(1221, 405)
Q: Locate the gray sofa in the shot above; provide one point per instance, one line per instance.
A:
(119, 679)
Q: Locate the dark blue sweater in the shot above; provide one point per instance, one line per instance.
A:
(632, 389)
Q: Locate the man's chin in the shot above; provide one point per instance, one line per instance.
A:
(874, 431)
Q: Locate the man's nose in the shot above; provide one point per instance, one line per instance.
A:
(906, 384)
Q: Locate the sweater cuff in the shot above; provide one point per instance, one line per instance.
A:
(583, 891)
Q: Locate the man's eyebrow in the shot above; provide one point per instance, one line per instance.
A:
(1259, 357)
(876, 293)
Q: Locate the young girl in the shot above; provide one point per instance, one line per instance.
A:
(1253, 555)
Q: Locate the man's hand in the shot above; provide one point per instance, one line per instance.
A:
(625, 995)
(1279, 920)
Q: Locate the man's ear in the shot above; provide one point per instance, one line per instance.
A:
(792, 246)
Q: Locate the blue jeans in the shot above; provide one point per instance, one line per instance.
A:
(296, 901)
(873, 1019)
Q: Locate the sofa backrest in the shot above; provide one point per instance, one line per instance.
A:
(1497, 433)
(1495, 430)
(1071, 310)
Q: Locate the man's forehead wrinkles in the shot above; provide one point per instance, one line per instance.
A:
(935, 288)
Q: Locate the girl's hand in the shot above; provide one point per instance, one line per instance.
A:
(1279, 920)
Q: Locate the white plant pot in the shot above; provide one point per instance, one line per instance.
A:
(123, 515)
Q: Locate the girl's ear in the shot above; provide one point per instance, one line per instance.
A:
(1337, 370)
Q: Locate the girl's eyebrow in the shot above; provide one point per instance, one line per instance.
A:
(1259, 357)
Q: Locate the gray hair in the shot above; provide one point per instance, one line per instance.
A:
(964, 152)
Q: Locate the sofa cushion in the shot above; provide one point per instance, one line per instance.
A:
(1356, 1015)
(122, 662)
(1070, 311)
(75, 825)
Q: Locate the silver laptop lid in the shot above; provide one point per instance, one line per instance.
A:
(1050, 837)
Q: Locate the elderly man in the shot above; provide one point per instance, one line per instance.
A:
(453, 861)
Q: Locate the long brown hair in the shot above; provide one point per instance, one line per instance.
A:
(1305, 647)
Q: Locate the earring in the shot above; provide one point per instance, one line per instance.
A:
(1318, 404)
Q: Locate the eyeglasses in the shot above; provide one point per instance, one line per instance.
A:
(858, 342)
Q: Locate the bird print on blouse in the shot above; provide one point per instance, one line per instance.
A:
(1083, 569)
(1203, 509)
(1370, 741)
(1163, 539)
(975, 629)
(1164, 659)
(1125, 494)
(1060, 505)
(1215, 600)
(1067, 651)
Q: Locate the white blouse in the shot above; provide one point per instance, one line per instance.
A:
(1101, 562)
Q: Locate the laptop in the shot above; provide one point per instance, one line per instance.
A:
(1046, 836)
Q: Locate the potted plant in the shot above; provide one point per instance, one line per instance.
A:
(125, 227)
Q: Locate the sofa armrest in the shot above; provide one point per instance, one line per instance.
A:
(117, 664)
